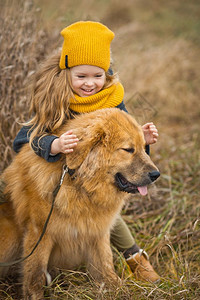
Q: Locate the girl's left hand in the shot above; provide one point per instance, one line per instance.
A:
(150, 133)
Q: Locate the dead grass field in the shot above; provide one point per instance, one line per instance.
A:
(156, 52)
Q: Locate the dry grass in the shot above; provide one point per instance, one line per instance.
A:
(156, 51)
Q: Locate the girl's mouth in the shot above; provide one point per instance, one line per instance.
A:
(87, 91)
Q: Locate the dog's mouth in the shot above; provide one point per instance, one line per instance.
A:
(126, 186)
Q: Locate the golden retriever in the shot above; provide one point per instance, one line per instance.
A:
(109, 162)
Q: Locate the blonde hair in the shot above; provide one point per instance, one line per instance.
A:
(51, 92)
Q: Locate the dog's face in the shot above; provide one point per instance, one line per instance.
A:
(112, 150)
(132, 167)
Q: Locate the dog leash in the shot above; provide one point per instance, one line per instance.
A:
(55, 192)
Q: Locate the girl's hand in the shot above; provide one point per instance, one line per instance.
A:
(65, 143)
(150, 133)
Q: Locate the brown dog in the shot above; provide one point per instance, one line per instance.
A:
(109, 162)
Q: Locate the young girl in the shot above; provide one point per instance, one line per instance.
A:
(78, 81)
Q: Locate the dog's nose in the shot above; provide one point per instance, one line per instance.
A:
(154, 175)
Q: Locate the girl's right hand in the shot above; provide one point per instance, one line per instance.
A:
(65, 143)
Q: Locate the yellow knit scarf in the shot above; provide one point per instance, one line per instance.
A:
(108, 97)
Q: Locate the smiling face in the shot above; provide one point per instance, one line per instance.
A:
(87, 80)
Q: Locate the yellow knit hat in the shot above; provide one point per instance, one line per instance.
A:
(86, 43)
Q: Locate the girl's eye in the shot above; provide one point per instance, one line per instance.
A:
(81, 76)
(99, 76)
(129, 150)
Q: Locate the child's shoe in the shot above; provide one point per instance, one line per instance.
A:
(141, 267)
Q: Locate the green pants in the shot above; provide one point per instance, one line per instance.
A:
(121, 236)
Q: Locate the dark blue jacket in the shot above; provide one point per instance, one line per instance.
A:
(42, 146)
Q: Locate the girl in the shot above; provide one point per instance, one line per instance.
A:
(78, 81)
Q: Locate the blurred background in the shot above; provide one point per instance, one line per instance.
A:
(156, 53)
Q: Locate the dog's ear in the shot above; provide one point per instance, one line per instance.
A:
(89, 138)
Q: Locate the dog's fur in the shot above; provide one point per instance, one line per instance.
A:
(86, 206)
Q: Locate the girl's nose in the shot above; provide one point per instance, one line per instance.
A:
(89, 82)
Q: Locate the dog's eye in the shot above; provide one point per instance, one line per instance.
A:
(130, 150)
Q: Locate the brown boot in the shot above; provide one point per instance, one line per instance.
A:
(141, 267)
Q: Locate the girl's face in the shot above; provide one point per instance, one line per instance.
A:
(87, 80)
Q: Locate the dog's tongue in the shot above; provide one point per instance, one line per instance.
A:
(142, 190)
